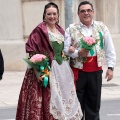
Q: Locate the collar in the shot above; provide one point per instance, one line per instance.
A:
(83, 25)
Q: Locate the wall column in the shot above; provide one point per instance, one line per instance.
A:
(108, 12)
(11, 34)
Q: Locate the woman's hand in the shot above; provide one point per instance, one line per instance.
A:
(39, 78)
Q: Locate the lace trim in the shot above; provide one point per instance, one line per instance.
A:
(64, 104)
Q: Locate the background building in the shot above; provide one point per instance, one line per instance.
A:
(19, 17)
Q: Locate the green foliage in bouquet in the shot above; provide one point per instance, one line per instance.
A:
(88, 43)
(41, 63)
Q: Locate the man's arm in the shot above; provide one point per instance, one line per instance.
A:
(109, 54)
(67, 44)
(109, 49)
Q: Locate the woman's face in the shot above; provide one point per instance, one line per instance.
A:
(51, 16)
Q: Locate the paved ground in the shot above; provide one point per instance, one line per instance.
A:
(111, 89)
(11, 83)
(10, 88)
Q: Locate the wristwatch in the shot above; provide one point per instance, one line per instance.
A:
(111, 68)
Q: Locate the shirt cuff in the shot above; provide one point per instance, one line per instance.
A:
(75, 54)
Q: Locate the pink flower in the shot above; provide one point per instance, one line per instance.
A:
(37, 58)
(89, 40)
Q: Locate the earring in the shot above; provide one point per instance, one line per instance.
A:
(57, 21)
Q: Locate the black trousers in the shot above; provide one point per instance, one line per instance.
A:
(88, 88)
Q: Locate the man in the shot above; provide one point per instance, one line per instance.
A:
(87, 66)
(1, 65)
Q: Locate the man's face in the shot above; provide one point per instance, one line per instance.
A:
(85, 14)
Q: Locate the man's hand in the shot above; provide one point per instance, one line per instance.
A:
(109, 75)
(71, 49)
(83, 53)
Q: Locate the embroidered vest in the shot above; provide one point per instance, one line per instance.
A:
(76, 35)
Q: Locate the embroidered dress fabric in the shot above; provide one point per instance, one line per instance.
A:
(64, 104)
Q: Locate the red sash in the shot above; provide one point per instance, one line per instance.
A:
(89, 66)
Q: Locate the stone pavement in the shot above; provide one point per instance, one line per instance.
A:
(111, 89)
(11, 83)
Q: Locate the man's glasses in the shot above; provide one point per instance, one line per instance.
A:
(84, 11)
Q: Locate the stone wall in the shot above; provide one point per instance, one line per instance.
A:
(19, 17)
(11, 34)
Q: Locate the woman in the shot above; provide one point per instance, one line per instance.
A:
(58, 100)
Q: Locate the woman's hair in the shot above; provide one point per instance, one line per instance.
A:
(84, 3)
(48, 6)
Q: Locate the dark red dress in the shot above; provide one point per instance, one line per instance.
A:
(33, 103)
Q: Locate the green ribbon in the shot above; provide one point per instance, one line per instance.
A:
(101, 40)
(45, 79)
(91, 52)
(42, 68)
(45, 82)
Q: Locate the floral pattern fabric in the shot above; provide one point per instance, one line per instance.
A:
(76, 35)
(34, 100)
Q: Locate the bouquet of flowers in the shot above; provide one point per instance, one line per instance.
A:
(41, 64)
(88, 43)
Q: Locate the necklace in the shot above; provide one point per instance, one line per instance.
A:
(52, 29)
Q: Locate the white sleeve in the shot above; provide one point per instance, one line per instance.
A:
(109, 48)
(67, 44)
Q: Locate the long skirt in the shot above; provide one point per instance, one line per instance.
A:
(33, 103)
(58, 99)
